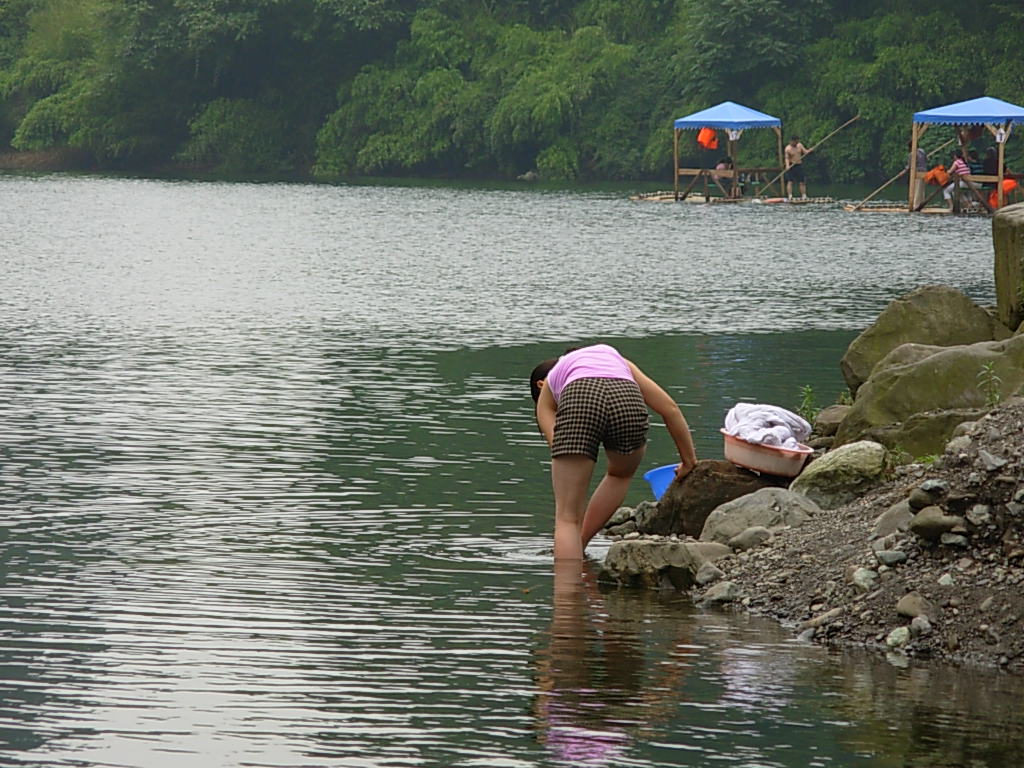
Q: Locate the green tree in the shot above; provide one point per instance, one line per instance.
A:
(573, 88)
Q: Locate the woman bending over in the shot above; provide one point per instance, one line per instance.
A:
(589, 397)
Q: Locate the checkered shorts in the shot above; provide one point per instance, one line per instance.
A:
(594, 411)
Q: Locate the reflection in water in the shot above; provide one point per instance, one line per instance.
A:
(596, 687)
(629, 678)
(923, 716)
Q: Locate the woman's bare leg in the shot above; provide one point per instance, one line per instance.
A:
(610, 492)
(570, 479)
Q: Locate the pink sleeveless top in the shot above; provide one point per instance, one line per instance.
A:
(599, 361)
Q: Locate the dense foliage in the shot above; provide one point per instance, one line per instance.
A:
(571, 89)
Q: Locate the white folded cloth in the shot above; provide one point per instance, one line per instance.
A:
(766, 425)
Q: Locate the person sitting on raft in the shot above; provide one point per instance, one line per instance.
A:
(588, 397)
(974, 163)
(725, 164)
(957, 171)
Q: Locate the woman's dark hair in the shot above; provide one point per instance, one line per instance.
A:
(540, 373)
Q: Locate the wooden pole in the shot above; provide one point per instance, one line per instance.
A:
(689, 186)
(782, 161)
(999, 174)
(912, 192)
(927, 199)
(837, 130)
(910, 198)
(973, 188)
(733, 184)
(675, 162)
(900, 174)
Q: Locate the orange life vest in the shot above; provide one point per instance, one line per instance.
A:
(1008, 186)
(707, 138)
(937, 176)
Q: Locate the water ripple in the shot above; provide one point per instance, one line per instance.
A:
(273, 494)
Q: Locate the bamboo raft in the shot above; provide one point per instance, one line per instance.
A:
(795, 201)
(892, 206)
(670, 197)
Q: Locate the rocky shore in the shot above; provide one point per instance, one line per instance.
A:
(924, 559)
(905, 531)
(928, 564)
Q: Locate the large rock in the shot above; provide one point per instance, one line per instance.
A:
(1008, 240)
(936, 315)
(926, 434)
(906, 354)
(687, 504)
(916, 405)
(828, 419)
(843, 474)
(767, 507)
(659, 563)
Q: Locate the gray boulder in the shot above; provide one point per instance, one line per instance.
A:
(767, 507)
(935, 314)
(659, 562)
(843, 474)
(1008, 242)
(917, 404)
(926, 434)
(827, 422)
(687, 504)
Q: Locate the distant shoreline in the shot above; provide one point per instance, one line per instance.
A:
(71, 160)
(40, 160)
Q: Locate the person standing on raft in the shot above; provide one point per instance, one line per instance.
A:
(795, 153)
(586, 398)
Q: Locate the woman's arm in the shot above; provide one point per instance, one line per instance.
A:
(546, 408)
(661, 403)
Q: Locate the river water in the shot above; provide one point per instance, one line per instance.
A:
(272, 494)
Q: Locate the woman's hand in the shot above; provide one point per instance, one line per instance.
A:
(683, 470)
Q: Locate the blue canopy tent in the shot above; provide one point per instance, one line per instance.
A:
(734, 119)
(996, 115)
(727, 115)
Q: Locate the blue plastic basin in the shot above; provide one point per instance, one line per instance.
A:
(660, 479)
